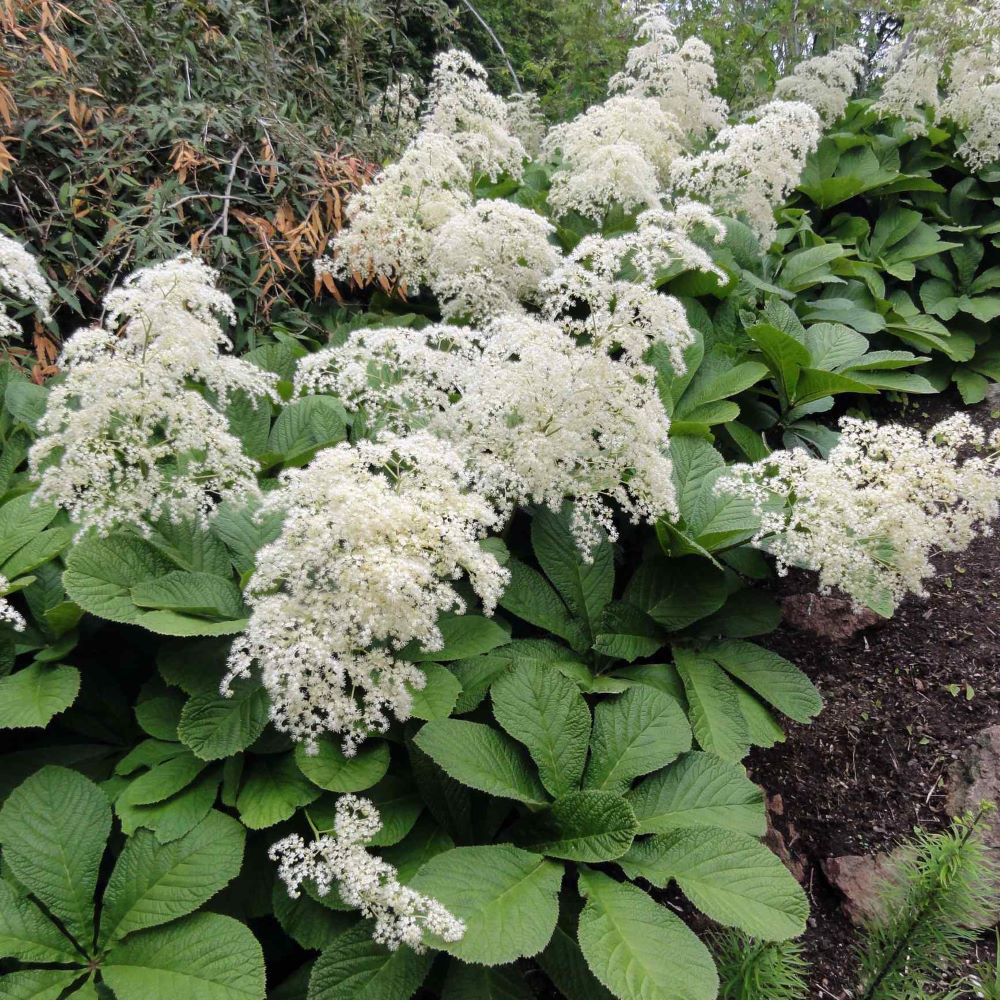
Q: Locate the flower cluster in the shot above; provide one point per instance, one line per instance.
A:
(397, 109)
(375, 534)
(750, 167)
(489, 259)
(22, 278)
(973, 101)
(9, 615)
(824, 82)
(681, 77)
(618, 151)
(461, 107)
(869, 518)
(525, 120)
(401, 915)
(910, 88)
(123, 439)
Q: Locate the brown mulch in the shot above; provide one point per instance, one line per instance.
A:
(903, 702)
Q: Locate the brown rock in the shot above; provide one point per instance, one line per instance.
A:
(834, 619)
(860, 878)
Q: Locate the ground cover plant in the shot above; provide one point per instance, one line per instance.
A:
(425, 654)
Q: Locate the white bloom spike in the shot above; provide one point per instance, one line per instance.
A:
(824, 82)
(22, 278)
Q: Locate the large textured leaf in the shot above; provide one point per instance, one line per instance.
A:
(27, 934)
(201, 957)
(154, 883)
(175, 816)
(38, 984)
(330, 769)
(634, 734)
(33, 696)
(581, 826)
(675, 593)
(273, 788)
(639, 950)
(731, 877)
(546, 712)
(776, 680)
(354, 967)
(532, 598)
(201, 594)
(482, 758)
(563, 962)
(474, 982)
(505, 896)
(713, 706)
(464, 635)
(586, 587)
(436, 699)
(305, 425)
(163, 780)
(627, 633)
(214, 727)
(53, 829)
(699, 790)
(21, 521)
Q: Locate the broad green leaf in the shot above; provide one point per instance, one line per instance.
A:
(354, 967)
(399, 806)
(676, 593)
(192, 546)
(814, 384)
(785, 356)
(803, 268)
(175, 816)
(244, 530)
(164, 780)
(777, 681)
(27, 934)
(763, 728)
(310, 924)
(21, 521)
(214, 727)
(436, 699)
(731, 877)
(101, 572)
(330, 769)
(305, 425)
(464, 636)
(831, 345)
(627, 633)
(530, 597)
(545, 711)
(38, 984)
(713, 707)
(634, 734)
(44, 546)
(273, 788)
(748, 611)
(158, 715)
(563, 962)
(482, 758)
(205, 956)
(475, 982)
(155, 883)
(506, 897)
(53, 829)
(699, 790)
(34, 695)
(581, 826)
(201, 594)
(586, 587)
(425, 841)
(638, 949)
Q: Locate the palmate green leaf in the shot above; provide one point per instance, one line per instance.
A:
(699, 790)
(204, 956)
(545, 711)
(777, 681)
(506, 897)
(639, 950)
(586, 587)
(532, 598)
(154, 883)
(483, 758)
(713, 706)
(731, 877)
(437, 698)
(588, 826)
(464, 636)
(273, 788)
(214, 727)
(53, 830)
(33, 696)
(476, 982)
(330, 769)
(354, 967)
(636, 733)
(27, 934)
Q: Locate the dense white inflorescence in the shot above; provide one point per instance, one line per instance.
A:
(375, 535)
(910, 88)
(391, 222)
(21, 278)
(526, 121)
(749, 168)
(869, 518)
(542, 419)
(973, 102)
(618, 151)
(397, 109)
(124, 440)
(489, 259)
(340, 861)
(681, 77)
(9, 615)
(824, 82)
(461, 106)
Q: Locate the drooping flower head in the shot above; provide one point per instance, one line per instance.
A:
(823, 82)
